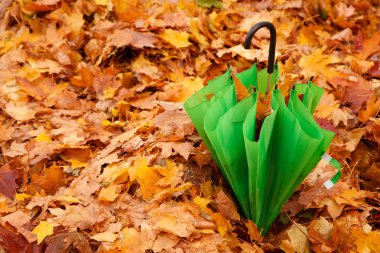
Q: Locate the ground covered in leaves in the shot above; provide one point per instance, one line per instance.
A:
(97, 154)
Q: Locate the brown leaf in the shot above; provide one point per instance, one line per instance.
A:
(226, 206)
(127, 37)
(51, 180)
(172, 148)
(241, 90)
(64, 240)
(370, 46)
(181, 127)
(253, 231)
(16, 242)
(8, 181)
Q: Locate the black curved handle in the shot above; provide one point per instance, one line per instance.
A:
(272, 44)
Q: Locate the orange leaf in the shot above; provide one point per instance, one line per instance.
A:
(370, 46)
(51, 181)
(241, 90)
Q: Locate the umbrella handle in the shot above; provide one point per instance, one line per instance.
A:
(272, 44)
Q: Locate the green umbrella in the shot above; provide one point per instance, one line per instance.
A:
(206, 108)
(263, 173)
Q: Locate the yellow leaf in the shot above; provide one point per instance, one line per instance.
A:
(109, 92)
(367, 242)
(222, 223)
(106, 122)
(326, 106)
(195, 31)
(22, 196)
(75, 164)
(43, 138)
(115, 112)
(148, 177)
(317, 63)
(68, 199)
(118, 172)
(207, 189)
(101, 2)
(42, 230)
(207, 231)
(189, 87)
(104, 237)
(130, 241)
(176, 38)
(109, 193)
(201, 202)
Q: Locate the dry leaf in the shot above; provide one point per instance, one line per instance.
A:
(42, 230)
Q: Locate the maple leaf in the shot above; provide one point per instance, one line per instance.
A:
(51, 181)
(317, 63)
(176, 38)
(129, 11)
(42, 230)
(298, 238)
(127, 37)
(226, 206)
(15, 242)
(8, 181)
(370, 46)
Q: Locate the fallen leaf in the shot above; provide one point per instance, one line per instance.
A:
(298, 238)
(253, 231)
(15, 242)
(147, 177)
(172, 148)
(17, 219)
(176, 38)
(127, 37)
(42, 230)
(8, 178)
(370, 46)
(104, 237)
(226, 206)
(51, 180)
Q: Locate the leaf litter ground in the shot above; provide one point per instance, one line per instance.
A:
(98, 155)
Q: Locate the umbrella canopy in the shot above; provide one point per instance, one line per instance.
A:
(199, 103)
(263, 166)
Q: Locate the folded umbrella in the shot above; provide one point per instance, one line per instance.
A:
(263, 166)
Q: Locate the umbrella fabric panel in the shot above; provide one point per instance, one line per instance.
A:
(248, 77)
(198, 104)
(229, 145)
(293, 136)
(286, 159)
(258, 158)
(258, 78)
(312, 94)
(252, 149)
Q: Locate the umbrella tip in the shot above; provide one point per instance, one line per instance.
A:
(311, 78)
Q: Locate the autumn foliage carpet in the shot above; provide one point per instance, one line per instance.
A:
(98, 155)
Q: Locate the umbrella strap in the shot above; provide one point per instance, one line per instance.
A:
(331, 182)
